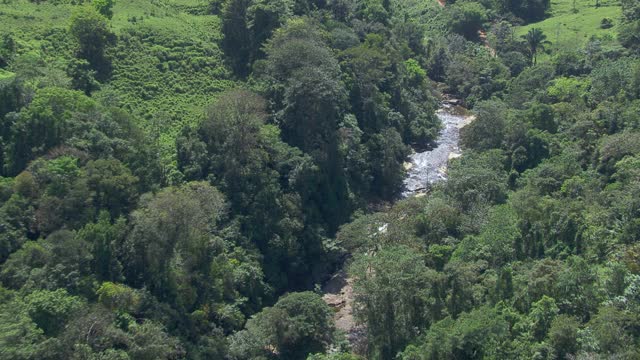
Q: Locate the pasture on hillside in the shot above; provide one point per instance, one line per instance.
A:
(569, 28)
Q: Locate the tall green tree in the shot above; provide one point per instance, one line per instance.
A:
(91, 31)
(297, 325)
(396, 296)
(172, 235)
(536, 41)
(309, 100)
(44, 124)
(236, 41)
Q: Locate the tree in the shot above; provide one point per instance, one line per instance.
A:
(180, 250)
(50, 310)
(563, 335)
(612, 332)
(104, 7)
(387, 154)
(467, 19)
(236, 39)
(114, 186)
(264, 17)
(105, 239)
(309, 99)
(541, 117)
(272, 187)
(535, 40)
(477, 179)
(92, 33)
(297, 325)
(23, 265)
(542, 314)
(83, 77)
(65, 197)
(45, 124)
(628, 34)
(99, 333)
(172, 235)
(16, 215)
(20, 337)
(7, 49)
(528, 10)
(396, 296)
(334, 356)
(487, 131)
(478, 334)
(68, 265)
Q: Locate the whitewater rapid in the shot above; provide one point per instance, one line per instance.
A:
(429, 167)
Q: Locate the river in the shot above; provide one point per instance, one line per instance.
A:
(423, 170)
(428, 167)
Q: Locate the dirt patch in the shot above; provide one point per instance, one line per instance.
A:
(338, 293)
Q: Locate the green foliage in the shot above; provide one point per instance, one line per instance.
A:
(45, 124)
(173, 229)
(248, 159)
(543, 313)
(530, 10)
(50, 310)
(20, 337)
(478, 179)
(104, 7)
(568, 89)
(535, 40)
(113, 185)
(487, 130)
(334, 356)
(303, 80)
(236, 41)
(118, 296)
(563, 335)
(90, 30)
(473, 335)
(297, 325)
(139, 222)
(467, 19)
(83, 78)
(396, 295)
(105, 239)
(472, 73)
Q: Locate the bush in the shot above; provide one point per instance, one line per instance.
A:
(606, 23)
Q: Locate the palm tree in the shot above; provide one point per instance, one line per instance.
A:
(536, 40)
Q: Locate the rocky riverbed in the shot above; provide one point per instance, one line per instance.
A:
(428, 167)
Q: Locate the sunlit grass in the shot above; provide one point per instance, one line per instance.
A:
(566, 28)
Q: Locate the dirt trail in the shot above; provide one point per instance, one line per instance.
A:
(338, 293)
(482, 34)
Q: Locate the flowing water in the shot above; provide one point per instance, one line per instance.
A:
(428, 167)
(425, 169)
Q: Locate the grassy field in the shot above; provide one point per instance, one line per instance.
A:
(566, 28)
(166, 63)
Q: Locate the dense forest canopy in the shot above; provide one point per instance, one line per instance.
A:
(179, 178)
